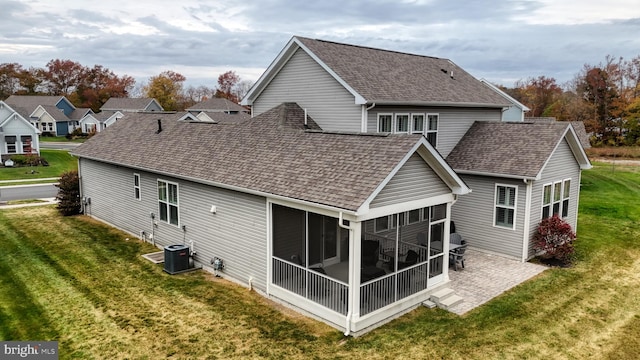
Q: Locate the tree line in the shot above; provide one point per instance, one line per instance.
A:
(606, 97)
(91, 87)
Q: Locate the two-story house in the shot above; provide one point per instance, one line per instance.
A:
(337, 197)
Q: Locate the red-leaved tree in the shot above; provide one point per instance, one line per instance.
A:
(554, 239)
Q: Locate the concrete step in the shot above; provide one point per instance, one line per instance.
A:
(441, 294)
(450, 301)
(430, 304)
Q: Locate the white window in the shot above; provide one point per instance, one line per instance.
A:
(11, 144)
(505, 206)
(555, 199)
(432, 129)
(402, 123)
(385, 123)
(168, 202)
(417, 123)
(26, 144)
(136, 186)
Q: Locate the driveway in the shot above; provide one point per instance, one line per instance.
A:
(59, 145)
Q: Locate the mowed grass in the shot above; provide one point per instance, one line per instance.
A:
(82, 283)
(59, 161)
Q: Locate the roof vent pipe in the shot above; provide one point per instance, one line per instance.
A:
(159, 126)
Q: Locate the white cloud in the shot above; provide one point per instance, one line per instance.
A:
(576, 12)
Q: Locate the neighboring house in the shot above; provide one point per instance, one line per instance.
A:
(515, 111)
(54, 115)
(336, 197)
(17, 134)
(218, 110)
(100, 121)
(218, 105)
(126, 105)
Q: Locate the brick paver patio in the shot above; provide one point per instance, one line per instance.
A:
(486, 276)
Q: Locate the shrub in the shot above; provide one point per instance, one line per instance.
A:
(69, 194)
(27, 160)
(554, 239)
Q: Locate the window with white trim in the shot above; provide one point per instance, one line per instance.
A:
(26, 144)
(136, 186)
(168, 202)
(385, 123)
(555, 199)
(432, 129)
(402, 123)
(417, 123)
(11, 141)
(505, 206)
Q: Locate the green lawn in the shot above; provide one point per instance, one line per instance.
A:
(87, 286)
(59, 162)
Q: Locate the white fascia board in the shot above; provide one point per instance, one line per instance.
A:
(438, 104)
(266, 77)
(66, 100)
(457, 185)
(575, 147)
(359, 99)
(497, 175)
(506, 96)
(440, 167)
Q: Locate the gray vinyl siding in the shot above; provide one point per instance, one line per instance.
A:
(474, 216)
(453, 122)
(562, 165)
(305, 82)
(236, 233)
(415, 180)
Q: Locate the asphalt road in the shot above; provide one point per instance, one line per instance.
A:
(27, 192)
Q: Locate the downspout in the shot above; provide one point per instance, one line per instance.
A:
(527, 219)
(365, 113)
(347, 331)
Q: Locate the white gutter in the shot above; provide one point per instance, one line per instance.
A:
(365, 115)
(225, 186)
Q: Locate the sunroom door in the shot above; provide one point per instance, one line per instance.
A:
(323, 240)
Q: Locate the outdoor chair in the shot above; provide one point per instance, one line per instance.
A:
(411, 259)
(456, 238)
(457, 256)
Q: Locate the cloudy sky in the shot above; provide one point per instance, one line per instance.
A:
(502, 41)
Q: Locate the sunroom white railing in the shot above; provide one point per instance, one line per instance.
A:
(311, 284)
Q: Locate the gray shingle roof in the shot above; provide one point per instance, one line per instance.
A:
(222, 117)
(271, 153)
(137, 104)
(388, 76)
(217, 104)
(516, 149)
(26, 104)
(55, 113)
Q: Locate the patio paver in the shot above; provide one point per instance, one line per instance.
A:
(486, 276)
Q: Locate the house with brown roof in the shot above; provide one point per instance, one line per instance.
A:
(131, 105)
(338, 196)
(353, 88)
(275, 189)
